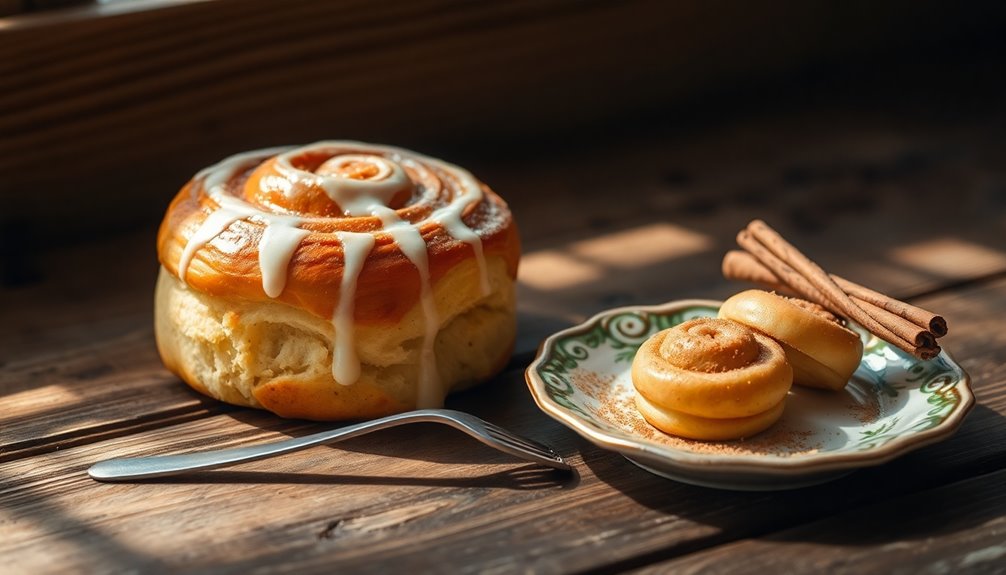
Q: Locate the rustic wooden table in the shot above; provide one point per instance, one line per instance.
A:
(916, 208)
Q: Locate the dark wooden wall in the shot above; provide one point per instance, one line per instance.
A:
(106, 111)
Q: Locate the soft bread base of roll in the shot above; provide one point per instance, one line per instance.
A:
(835, 349)
(707, 428)
(277, 357)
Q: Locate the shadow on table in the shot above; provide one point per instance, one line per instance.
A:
(425, 442)
(909, 492)
(504, 401)
(527, 477)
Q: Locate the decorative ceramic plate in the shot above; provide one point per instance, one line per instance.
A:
(893, 404)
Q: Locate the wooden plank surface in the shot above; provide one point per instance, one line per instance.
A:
(958, 528)
(434, 499)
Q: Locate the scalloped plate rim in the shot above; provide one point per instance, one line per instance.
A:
(813, 463)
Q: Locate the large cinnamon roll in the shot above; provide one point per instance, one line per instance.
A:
(339, 280)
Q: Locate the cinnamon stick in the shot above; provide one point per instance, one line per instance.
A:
(795, 270)
(769, 269)
(932, 322)
(741, 265)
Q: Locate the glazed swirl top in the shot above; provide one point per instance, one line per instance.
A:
(276, 224)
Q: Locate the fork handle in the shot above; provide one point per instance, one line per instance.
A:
(124, 469)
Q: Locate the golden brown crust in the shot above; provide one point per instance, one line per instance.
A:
(823, 353)
(319, 400)
(711, 379)
(388, 285)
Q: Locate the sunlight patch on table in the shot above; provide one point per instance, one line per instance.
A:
(39, 399)
(588, 260)
(950, 257)
(552, 269)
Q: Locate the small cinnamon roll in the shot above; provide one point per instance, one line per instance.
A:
(711, 379)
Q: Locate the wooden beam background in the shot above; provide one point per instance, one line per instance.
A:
(106, 111)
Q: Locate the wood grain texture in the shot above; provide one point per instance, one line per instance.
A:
(958, 528)
(426, 497)
(433, 499)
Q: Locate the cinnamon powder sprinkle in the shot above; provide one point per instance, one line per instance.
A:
(813, 308)
(592, 384)
(864, 407)
(619, 410)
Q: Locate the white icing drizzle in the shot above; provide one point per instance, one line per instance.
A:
(211, 227)
(450, 218)
(411, 242)
(456, 228)
(216, 176)
(280, 240)
(357, 197)
(345, 362)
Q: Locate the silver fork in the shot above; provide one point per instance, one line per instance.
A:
(489, 434)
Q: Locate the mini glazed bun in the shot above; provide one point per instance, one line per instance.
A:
(339, 280)
(711, 379)
(822, 352)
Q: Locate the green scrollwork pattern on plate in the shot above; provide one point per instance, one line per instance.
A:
(937, 381)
